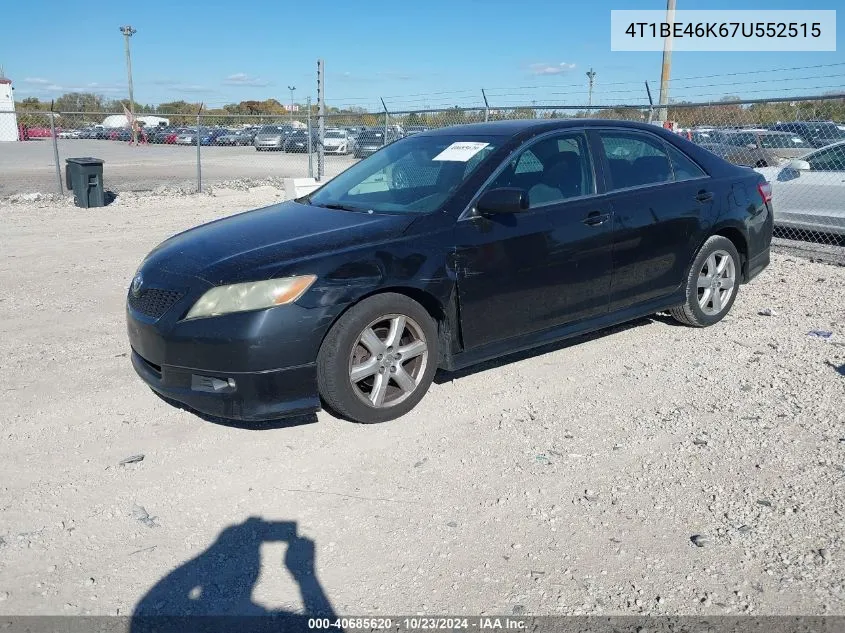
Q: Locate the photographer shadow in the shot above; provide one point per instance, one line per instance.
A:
(213, 592)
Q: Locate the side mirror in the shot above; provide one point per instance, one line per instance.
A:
(503, 200)
(799, 165)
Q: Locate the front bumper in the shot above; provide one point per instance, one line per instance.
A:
(244, 366)
(254, 396)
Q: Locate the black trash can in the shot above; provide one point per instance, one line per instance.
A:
(84, 176)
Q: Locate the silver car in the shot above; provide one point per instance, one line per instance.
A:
(808, 191)
(271, 137)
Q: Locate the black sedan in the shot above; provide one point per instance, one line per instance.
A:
(442, 250)
(297, 141)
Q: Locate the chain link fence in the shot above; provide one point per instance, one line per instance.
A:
(798, 144)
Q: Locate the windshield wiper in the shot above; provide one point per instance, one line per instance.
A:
(339, 206)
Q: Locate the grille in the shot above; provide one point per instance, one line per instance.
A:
(153, 302)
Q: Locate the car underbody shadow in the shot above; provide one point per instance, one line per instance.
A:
(443, 376)
(258, 425)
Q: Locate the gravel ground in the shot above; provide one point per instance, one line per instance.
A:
(650, 468)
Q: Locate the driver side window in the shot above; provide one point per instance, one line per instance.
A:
(550, 170)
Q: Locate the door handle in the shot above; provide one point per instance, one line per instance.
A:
(704, 196)
(595, 218)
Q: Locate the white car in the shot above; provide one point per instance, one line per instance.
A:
(808, 192)
(337, 142)
(69, 134)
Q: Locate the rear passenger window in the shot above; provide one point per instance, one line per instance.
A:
(682, 166)
(635, 160)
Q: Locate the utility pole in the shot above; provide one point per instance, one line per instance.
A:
(591, 76)
(128, 32)
(291, 88)
(666, 71)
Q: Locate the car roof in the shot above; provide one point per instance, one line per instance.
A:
(518, 126)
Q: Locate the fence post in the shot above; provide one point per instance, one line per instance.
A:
(310, 131)
(386, 119)
(650, 103)
(56, 149)
(486, 106)
(321, 118)
(199, 158)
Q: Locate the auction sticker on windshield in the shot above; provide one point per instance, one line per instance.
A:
(461, 151)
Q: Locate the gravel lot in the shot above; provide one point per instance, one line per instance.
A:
(650, 468)
(30, 167)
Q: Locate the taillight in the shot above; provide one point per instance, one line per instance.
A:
(765, 189)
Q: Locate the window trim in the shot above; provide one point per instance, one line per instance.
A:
(660, 140)
(470, 213)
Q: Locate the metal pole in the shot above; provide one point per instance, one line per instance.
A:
(56, 149)
(291, 88)
(591, 75)
(128, 32)
(650, 103)
(321, 118)
(199, 159)
(310, 155)
(666, 71)
(386, 119)
(486, 106)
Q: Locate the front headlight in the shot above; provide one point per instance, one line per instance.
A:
(252, 295)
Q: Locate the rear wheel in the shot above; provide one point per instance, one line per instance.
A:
(712, 284)
(379, 359)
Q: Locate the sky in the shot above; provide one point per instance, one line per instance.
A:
(414, 55)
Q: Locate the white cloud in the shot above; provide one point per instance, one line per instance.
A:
(550, 69)
(242, 79)
(38, 81)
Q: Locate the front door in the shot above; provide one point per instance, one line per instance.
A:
(549, 265)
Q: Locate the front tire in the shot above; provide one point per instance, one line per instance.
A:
(379, 359)
(712, 284)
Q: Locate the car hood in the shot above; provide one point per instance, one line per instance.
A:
(253, 245)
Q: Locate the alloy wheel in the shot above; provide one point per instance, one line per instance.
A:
(716, 282)
(388, 360)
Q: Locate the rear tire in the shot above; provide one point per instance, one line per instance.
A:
(712, 284)
(379, 359)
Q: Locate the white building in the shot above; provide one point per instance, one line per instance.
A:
(120, 120)
(8, 118)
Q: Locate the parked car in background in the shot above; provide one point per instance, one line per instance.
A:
(188, 136)
(68, 134)
(270, 137)
(760, 148)
(237, 137)
(810, 190)
(158, 136)
(444, 250)
(297, 141)
(337, 141)
(210, 136)
(415, 129)
(370, 141)
(818, 133)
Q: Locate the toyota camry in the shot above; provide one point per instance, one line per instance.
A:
(439, 251)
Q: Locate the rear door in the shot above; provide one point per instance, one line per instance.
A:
(524, 272)
(660, 200)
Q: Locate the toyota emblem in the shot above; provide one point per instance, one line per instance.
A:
(136, 284)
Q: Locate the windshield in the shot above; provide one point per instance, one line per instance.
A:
(740, 139)
(271, 129)
(414, 175)
(335, 135)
